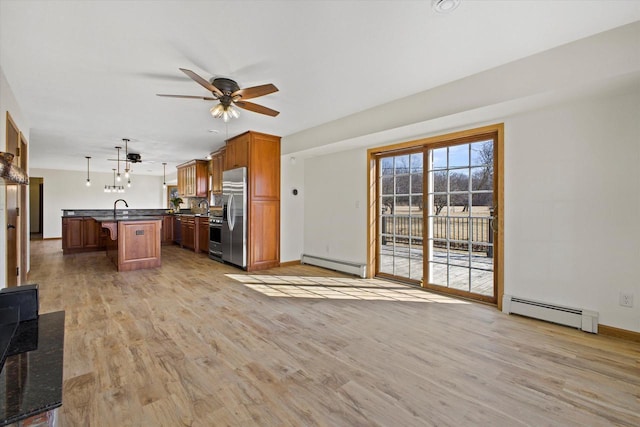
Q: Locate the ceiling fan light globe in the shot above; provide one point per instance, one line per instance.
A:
(217, 111)
(234, 112)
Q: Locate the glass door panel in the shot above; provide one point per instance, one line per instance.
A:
(400, 203)
(460, 205)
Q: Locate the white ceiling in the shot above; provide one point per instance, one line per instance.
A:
(86, 72)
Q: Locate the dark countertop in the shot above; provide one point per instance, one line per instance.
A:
(71, 213)
(31, 379)
(111, 218)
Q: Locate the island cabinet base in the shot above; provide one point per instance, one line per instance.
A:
(134, 245)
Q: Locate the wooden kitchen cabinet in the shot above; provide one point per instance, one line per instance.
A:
(91, 233)
(72, 235)
(217, 166)
(81, 234)
(167, 229)
(261, 155)
(193, 178)
(202, 234)
(188, 232)
(237, 151)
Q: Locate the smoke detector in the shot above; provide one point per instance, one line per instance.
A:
(445, 6)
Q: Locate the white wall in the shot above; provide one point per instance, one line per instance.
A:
(572, 204)
(292, 208)
(8, 103)
(335, 206)
(67, 190)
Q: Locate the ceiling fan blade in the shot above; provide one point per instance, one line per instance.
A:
(257, 108)
(206, 98)
(202, 81)
(255, 91)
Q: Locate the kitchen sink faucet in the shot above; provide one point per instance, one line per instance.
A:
(115, 203)
(206, 202)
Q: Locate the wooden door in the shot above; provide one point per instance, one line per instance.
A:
(12, 235)
(12, 204)
(23, 202)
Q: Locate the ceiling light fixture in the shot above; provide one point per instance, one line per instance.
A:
(445, 6)
(118, 176)
(126, 157)
(225, 111)
(164, 175)
(114, 188)
(88, 180)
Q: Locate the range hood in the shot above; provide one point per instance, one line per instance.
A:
(11, 173)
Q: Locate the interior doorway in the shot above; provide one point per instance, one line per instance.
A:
(36, 198)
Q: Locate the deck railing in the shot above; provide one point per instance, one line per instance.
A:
(409, 229)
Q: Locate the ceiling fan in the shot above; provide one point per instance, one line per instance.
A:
(230, 96)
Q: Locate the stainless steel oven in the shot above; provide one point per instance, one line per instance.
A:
(215, 237)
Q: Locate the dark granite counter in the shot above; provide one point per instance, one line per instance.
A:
(109, 212)
(31, 379)
(111, 218)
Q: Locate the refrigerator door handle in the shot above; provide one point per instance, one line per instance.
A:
(231, 213)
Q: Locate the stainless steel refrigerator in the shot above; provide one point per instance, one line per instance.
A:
(234, 217)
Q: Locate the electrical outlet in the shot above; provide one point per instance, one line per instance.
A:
(626, 300)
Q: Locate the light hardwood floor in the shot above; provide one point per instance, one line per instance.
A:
(197, 343)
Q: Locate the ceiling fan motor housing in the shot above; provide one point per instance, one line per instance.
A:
(134, 157)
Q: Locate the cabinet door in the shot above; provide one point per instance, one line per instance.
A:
(72, 233)
(216, 173)
(237, 152)
(264, 235)
(167, 229)
(188, 233)
(91, 233)
(200, 179)
(203, 234)
(181, 181)
(265, 168)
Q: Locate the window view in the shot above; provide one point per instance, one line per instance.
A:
(401, 218)
(460, 243)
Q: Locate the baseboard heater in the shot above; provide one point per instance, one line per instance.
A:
(334, 264)
(586, 320)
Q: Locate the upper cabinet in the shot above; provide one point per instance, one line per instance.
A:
(217, 165)
(193, 178)
(237, 154)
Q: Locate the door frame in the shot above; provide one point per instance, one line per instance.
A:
(495, 131)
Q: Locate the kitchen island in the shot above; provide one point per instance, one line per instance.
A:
(134, 241)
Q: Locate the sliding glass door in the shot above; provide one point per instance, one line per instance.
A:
(436, 211)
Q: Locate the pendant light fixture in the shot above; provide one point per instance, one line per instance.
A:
(126, 158)
(164, 175)
(118, 176)
(88, 179)
(114, 188)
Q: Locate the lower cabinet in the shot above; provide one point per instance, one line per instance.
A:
(202, 234)
(167, 229)
(81, 234)
(195, 233)
(188, 232)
